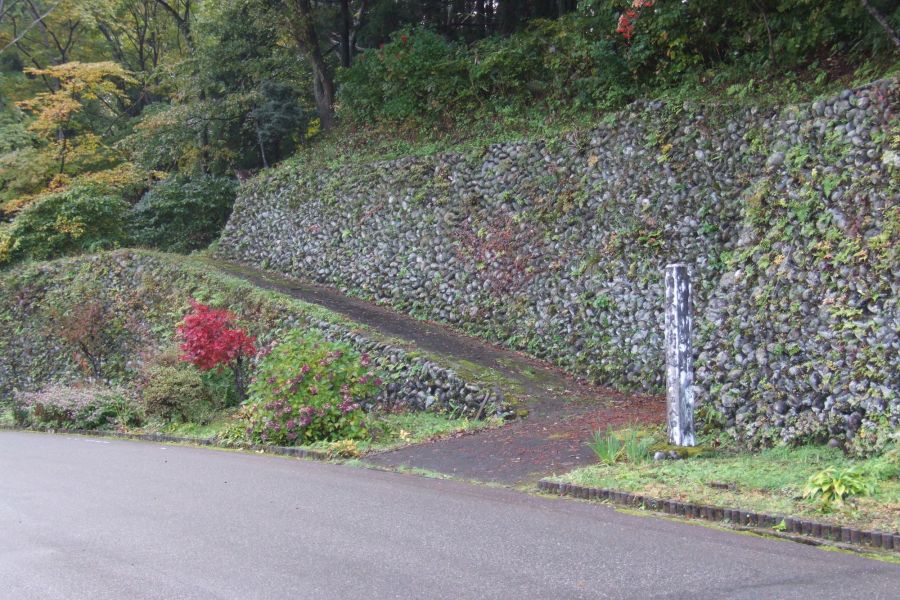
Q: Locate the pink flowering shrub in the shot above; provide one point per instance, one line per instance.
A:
(307, 390)
(77, 407)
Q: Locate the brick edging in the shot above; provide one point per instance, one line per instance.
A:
(745, 518)
(174, 439)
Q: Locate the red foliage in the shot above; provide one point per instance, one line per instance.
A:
(627, 19)
(211, 340)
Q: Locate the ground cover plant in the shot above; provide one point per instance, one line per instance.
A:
(631, 445)
(819, 482)
(831, 486)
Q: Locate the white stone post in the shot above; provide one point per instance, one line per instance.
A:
(679, 365)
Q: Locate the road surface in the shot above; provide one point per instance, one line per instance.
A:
(98, 518)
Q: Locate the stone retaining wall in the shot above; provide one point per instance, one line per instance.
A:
(788, 219)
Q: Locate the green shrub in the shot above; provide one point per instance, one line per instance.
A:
(418, 75)
(832, 486)
(183, 214)
(176, 393)
(72, 221)
(77, 407)
(672, 39)
(309, 390)
(221, 387)
(873, 439)
(567, 63)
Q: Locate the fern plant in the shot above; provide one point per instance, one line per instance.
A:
(606, 446)
(832, 486)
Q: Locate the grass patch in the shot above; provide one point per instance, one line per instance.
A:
(769, 481)
(218, 424)
(395, 430)
(389, 430)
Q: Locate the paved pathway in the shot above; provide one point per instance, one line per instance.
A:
(563, 411)
(82, 518)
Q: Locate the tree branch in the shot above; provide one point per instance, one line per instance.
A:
(882, 20)
(38, 20)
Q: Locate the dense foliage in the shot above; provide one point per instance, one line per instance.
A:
(176, 393)
(600, 57)
(62, 223)
(182, 214)
(307, 390)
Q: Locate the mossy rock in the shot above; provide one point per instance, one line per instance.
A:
(683, 451)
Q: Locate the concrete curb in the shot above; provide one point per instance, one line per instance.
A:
(745, 519)
(174, 439)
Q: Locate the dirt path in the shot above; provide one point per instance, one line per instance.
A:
(526, 450)
(562, 410)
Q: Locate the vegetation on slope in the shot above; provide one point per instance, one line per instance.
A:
(103, 101)
(130, 339)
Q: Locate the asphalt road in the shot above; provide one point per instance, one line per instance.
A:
(94, 519)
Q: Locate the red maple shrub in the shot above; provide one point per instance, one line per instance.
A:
(94, 326)
(211, 340)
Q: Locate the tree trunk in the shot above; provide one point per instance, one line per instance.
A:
(357, 22)
(481, 18)
(882, 20)
(323, 89)
(262, 148)
(508, 19)
(240, 385)
(304, 32)
(204, 133)
(345, 34)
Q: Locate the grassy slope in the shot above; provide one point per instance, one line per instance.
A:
(216, 287)
(390, 430)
